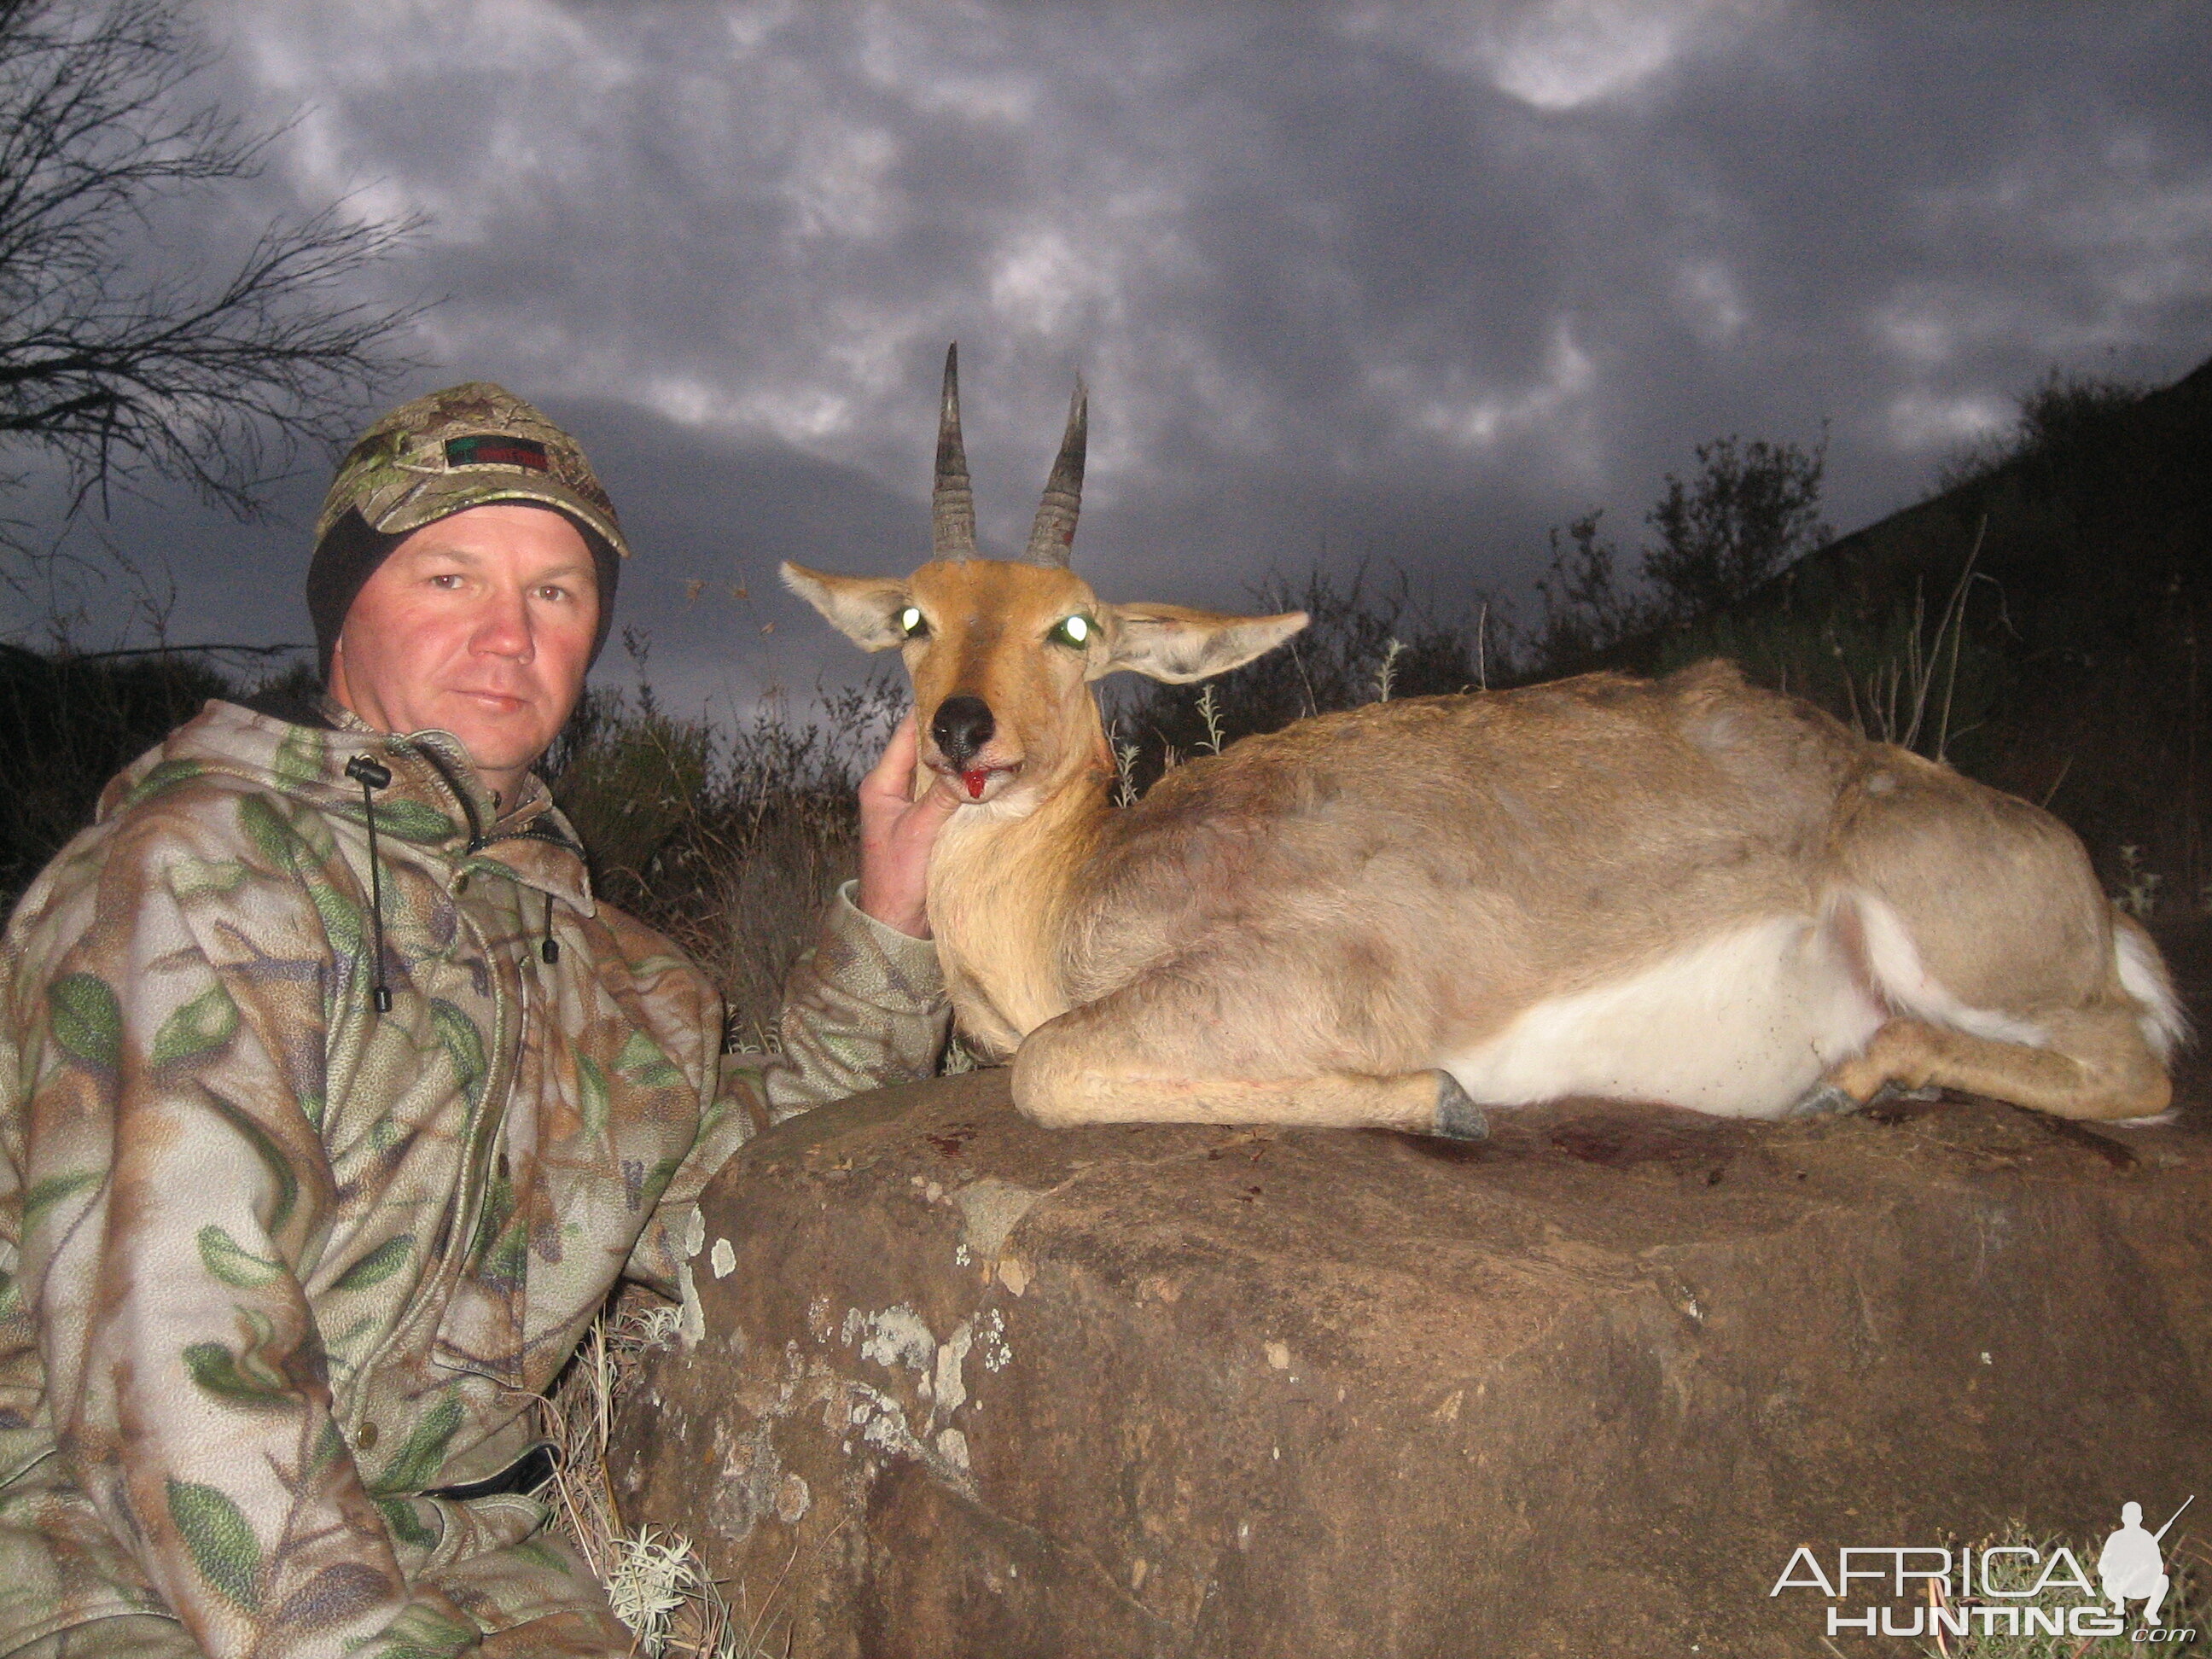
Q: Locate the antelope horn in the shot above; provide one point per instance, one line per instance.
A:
(952, 501)
(1053, 533)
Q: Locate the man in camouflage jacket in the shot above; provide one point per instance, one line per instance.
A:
(331, 1107)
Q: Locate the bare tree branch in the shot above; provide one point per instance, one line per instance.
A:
(119, 376)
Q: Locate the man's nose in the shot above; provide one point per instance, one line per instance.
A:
(503, 628)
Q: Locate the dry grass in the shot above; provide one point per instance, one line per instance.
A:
(657, 1583)
(730, 842)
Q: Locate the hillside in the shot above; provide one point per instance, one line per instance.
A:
(2076, 676)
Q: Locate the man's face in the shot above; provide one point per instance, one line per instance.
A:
(481, 625)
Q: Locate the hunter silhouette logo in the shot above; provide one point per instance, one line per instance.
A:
(1995, 1590)
(2131, 1565)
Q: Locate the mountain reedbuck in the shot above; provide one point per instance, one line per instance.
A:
(1687, 891)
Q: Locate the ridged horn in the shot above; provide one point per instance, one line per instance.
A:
(952, 501)
(1052, 537)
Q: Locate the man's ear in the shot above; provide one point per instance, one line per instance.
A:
(1175, 643)
(863, 609)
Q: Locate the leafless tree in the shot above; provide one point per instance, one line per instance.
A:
(120, 370)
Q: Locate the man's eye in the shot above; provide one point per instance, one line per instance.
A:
(911, 624)
(1075, 631)
(448, 580)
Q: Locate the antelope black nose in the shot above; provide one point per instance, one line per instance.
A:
(963, 726)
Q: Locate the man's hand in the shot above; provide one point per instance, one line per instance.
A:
(896, 835)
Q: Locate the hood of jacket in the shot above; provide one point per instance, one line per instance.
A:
(434, 801)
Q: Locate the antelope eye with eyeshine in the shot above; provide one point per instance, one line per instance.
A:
(1074, 630)
(911, 624)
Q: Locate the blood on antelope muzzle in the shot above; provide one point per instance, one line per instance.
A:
(963, 726)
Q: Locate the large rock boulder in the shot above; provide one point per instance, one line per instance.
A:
(955, 1384)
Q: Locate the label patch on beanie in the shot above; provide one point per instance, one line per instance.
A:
(496, 449)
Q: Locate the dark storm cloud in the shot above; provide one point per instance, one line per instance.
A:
(1371, 281)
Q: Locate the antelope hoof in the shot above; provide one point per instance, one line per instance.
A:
(1458, 1118)
(1824, 1100)
(1831, 1099)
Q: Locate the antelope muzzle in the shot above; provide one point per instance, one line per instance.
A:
(962, 727)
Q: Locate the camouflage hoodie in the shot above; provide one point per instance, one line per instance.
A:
(276, 1263)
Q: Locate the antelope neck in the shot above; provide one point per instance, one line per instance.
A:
(998, 888)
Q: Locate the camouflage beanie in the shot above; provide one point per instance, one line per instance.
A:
(465, 447)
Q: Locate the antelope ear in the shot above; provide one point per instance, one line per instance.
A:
(863, 609)
(1175, 643)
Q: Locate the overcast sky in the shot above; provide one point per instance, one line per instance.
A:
(1392, 280)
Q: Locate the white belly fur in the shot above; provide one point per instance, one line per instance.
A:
(1739, 1026)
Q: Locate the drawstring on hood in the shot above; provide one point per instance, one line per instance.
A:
(372, 775)
(418, 804)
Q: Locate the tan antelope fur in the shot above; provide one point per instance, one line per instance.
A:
(1687, 890)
